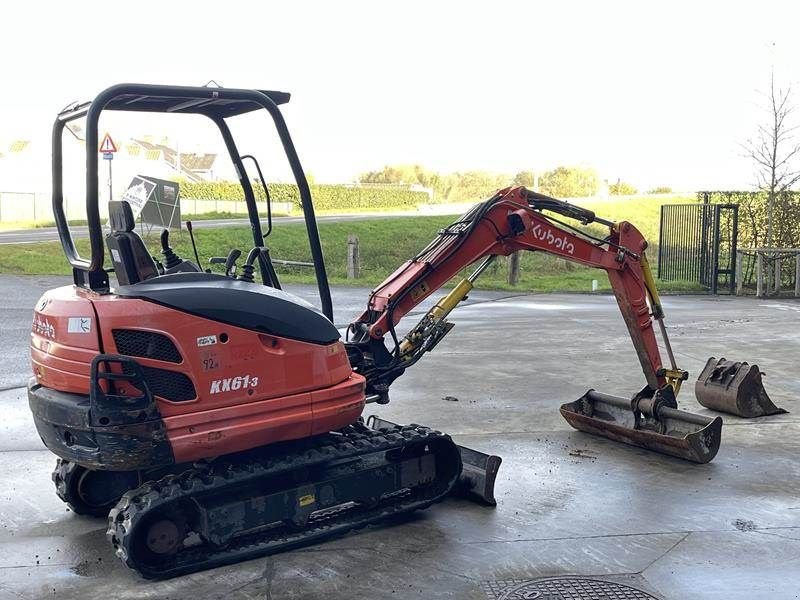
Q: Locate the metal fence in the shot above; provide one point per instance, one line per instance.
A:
(25, 206)
(697, 243)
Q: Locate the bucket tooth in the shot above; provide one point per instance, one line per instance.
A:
(735, 388)
(478, 470)
(652, 423)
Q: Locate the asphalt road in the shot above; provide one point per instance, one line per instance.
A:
(50, 234)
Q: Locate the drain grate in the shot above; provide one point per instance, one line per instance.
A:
(563, 588)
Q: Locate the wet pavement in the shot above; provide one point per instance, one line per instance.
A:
(568, 504)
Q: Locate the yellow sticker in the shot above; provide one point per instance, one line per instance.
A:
(334, 348)
(421, 290)
(306, 500)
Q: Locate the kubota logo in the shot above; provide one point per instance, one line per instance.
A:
(558, 241)
(231, 384)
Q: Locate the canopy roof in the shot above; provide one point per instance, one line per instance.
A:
(211, 101)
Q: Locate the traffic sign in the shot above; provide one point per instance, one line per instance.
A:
(107, 146)
(108, 156)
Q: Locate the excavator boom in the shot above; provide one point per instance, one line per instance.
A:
(513, 220)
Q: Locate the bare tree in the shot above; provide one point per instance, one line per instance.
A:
(775, 149)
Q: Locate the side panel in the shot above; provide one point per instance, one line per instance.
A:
(64, 339)
(227, 365)
(224, 430)
(250, 389)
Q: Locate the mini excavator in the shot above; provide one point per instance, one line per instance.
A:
(213, 418)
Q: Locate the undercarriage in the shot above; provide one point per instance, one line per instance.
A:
(271, 499)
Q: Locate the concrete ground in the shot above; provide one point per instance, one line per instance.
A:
(568, 503)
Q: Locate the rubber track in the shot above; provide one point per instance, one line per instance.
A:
(138, 504)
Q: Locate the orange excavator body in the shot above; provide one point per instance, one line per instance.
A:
(243, 389)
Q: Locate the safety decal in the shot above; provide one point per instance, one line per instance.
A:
(206, 340)
(79, 325)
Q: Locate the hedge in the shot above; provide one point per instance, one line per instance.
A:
(325, 197)
(753, 217)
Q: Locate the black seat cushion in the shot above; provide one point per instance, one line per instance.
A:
(132, 262)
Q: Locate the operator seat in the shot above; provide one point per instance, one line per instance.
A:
(132, 261)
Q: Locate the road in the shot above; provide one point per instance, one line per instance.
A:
(50, 234)
(569, 504)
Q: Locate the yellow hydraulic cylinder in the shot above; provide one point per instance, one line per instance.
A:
(437, 312)
(440, 311)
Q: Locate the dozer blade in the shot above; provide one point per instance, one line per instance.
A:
(478, 475)
(734, 387)
(651, 425)
(478, 472)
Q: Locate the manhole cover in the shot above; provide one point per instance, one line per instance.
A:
(564, 588)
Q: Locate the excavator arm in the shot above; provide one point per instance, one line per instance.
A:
(511, 221)
(517, 219)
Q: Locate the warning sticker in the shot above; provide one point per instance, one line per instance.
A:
(79, 325)
(207, 340)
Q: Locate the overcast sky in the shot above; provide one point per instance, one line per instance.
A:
(654, 93)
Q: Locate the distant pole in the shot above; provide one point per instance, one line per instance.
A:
(759, 274)
(513, 268)
(797, 275)
(353, 258)
(110, 186)
(738, 276)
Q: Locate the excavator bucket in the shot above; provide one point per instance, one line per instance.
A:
(734, 387)
(652, 423)
(478, 470)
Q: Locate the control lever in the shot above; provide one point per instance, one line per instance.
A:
(247, 270)
(171, 259)
(191, 237)
(229, 262)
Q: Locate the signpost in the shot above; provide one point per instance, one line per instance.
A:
(108, 148)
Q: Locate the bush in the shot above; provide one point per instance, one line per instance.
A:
(661, 189)
(325, 197)
(621, 188)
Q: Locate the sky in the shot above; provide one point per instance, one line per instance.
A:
(652, 93)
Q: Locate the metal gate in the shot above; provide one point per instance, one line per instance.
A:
(697, 243)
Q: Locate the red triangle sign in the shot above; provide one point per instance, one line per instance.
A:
(107, 145)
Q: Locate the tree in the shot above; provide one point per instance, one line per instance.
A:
(525, 178)
(467, 186)
(621, 188)
(569, 182)
(774, 150)
(405, 174)
(386, 175)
